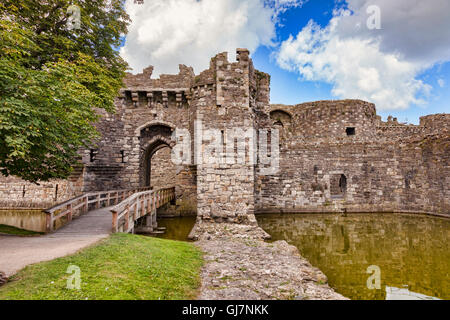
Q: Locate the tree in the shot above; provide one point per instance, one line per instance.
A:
(53, 81)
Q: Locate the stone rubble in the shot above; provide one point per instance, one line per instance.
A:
(239, 265)
(3, 278)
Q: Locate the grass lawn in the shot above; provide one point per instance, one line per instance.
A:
(16, 231)
(124, 266)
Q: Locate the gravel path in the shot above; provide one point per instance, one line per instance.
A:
(18, 252)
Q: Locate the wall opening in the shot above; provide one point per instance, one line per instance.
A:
(128, 97)
(282, 121)
(92, 155)
(162, 170)
(338, 185)
(350, 131)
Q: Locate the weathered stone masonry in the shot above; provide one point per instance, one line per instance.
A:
(339, 155)
(334, 155)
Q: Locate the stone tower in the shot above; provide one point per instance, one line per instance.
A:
(227, 98)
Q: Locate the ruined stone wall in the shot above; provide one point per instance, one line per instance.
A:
(227, 99)
(147, 113)
(371, 170)
(18, 193)
(334, 155)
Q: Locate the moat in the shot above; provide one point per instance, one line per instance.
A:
(411, 250)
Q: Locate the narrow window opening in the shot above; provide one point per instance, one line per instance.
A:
(122, 154)
(350, 131)
(343, 184)
(92, 155)
(338, 186)
(128, 98)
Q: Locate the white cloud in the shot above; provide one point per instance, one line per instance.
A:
(380, 66)
(165, 33)
(418, 30)
(441, 83)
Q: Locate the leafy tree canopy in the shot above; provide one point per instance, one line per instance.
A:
(55, 79)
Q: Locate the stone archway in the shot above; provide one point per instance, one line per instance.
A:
(157, 170)
(152, 139)
(156, 161)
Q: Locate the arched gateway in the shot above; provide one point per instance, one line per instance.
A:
(154, 139)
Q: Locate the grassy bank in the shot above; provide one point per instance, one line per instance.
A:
(16, 231)
(124, 266)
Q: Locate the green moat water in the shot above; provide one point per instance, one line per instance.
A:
(411, 251)
(176, 228)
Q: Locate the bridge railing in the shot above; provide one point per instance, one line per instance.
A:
(88, 201)
(138, 205)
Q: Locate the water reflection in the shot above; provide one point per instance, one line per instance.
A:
(176, 228)
(411, 250)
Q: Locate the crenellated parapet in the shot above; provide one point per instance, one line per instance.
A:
(141, 91)
(333, 155)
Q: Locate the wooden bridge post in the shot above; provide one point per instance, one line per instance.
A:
(153, 201)
(49, 222)
(127, 218)
(154, 223)
(114, 222)
(97, 205)
(69, 215)
(158, 196)
(86, 204)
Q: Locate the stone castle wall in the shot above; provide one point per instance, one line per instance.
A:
(148, 112)
(386, 167)
(334, 155)
(17, 193)
(227, 98)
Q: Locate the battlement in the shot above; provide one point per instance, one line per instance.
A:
(329, 119)
(228, 82)
(333, 155)
(436, 122)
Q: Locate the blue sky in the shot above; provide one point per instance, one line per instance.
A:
(401, 65)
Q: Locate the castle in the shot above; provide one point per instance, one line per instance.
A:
(332, 156)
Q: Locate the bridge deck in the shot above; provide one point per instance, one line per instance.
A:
(18, 252)
(84, 230)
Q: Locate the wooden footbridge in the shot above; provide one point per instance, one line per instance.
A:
(124, 206)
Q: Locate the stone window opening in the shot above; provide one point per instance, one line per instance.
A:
(171, 99)
(92, 155)
(343, 184)
(128, 97)
(122, 154)
(350, 131)
(56, 192)
(338, 186)
(142, 98)
(158, 97)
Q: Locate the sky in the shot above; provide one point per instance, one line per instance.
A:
(394, 53)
